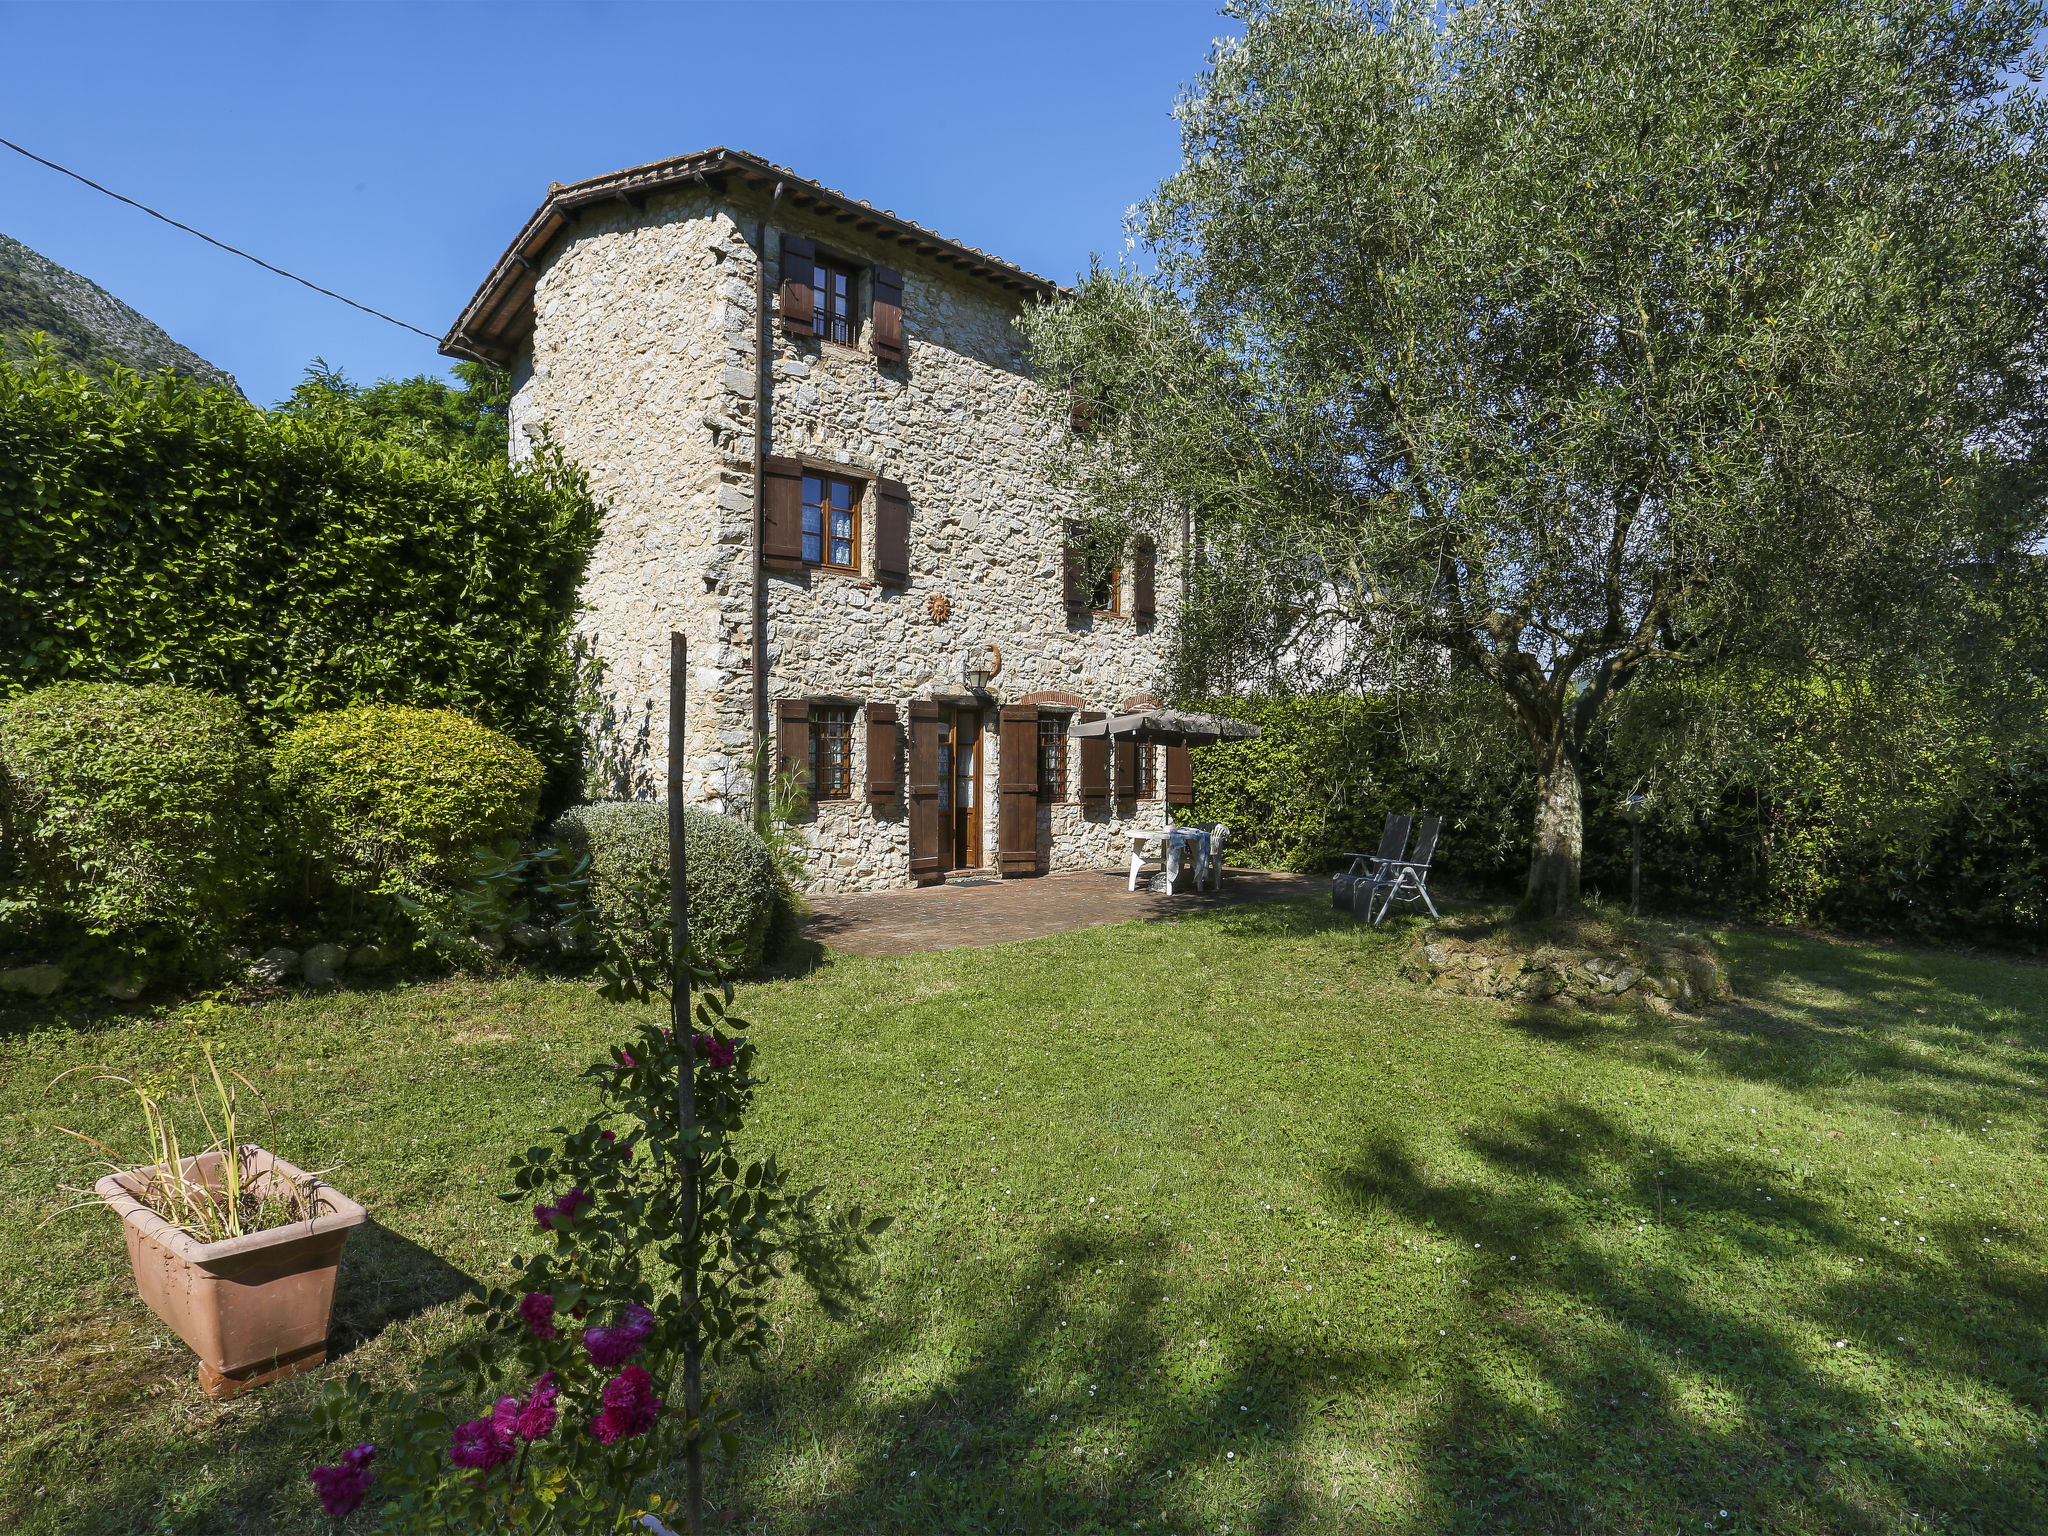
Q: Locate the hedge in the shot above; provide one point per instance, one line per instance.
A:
(386, 801)
(156, 531)
(734, 889)
(137, 813)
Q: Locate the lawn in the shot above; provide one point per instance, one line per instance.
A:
(1208, 1226)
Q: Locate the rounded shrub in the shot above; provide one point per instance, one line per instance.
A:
(139, 812)
(733, 885)
(385, 800)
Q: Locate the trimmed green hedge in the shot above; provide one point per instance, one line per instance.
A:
(133, 812)
(393, 802)
(156, 531)
(734, 889)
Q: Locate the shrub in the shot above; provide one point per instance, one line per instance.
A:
(387, 801)
(734, 887)
(134, 812)
(296, 560)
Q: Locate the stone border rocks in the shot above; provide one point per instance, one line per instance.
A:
(1581, 962)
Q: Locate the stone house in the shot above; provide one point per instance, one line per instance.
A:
(812, 428)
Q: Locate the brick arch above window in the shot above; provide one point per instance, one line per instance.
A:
(1138, 701)
(1052, 698)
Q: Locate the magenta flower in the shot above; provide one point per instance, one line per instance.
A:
(623, 1148)
(563, 1212)
(537, 1311)
(619, 1343)
(479, 1445)
(716, 1051)
(341, 1488)
(536, 1417)
(630, 1407)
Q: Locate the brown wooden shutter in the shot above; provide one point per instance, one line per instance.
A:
(1094, 762)
(882, 743)
(923, 801)
(782, 520)
(1180, 777)
(799, 271)
(1018, 823)
(1145, 565)
(892, 532)
(793, 739)
(1073, 574)
(1127, 769)
(888, 311)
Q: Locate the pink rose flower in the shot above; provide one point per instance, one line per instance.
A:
(608, 1347)
(630, 1407)
(479, 1446)
(342, 1488)
(563, 1212)
(536, 1416)
(718, 1052)
(537, 1311)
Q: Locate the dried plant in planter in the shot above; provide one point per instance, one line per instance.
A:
(208, 1193)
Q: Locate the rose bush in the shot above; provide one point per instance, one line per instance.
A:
(571, 1397)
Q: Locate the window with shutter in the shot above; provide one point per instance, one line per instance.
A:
(799, 275)
(782, 513)
(882, 746)
(831, 521)
(1073, 572)
(1094, 763)
(831, 752)
(1144, 574)
(927, 866)
(888, 315)
(1018, 824)
(1052, 758)
(1180, 777)
(793, 740)
(1148, 772)
(1127, 769)
(892, 532)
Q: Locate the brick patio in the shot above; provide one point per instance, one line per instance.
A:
(980, 909)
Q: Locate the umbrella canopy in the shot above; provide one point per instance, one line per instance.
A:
(1171, 728)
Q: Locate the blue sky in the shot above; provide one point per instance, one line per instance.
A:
(390, 152)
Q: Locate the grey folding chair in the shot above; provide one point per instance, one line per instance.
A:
(1407, 879)
(1364, 866)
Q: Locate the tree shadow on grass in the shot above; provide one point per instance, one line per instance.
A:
(1075, 1406)
(1668, 1351)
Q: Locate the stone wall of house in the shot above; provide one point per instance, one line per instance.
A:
(642, 368)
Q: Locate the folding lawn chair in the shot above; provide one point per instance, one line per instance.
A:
(1366, 866)
(1406, 879)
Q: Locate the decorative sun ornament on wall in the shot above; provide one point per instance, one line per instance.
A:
(941, 606)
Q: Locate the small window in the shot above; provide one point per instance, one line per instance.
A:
(1052, 757)
(1107, 594)
(831, 522)
(1148, 771)
(834, 289)
(831, 752)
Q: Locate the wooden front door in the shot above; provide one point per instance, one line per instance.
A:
(960, 788)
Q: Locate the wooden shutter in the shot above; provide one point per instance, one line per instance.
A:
(923, 801)
(1073, 574)
(799, 271)
(1127, 769)
(1094, 763)
(1145, 564)
(1018, 823)
(882, 742)
(1180, 777)
(793, 738)
(888, 311)
(892, 532)
(782, 515)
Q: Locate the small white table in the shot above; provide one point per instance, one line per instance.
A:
(1170, 846)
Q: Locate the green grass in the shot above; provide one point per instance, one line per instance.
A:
(1205, 1224)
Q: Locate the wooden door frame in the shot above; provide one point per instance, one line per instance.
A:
(966, 852)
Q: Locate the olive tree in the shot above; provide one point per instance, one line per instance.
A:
(1519, 352)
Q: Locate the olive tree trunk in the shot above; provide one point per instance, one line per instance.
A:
(1560, 838)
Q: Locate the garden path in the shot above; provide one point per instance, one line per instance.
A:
(975, 909)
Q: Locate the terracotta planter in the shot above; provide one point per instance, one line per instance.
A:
(252, 1308)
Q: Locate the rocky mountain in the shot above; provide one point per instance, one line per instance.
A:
(87, 324)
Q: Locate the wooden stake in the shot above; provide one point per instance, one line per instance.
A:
(686, 1079)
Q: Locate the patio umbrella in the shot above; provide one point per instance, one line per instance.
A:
(1171, 728)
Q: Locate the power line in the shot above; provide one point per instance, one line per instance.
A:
(280, 271)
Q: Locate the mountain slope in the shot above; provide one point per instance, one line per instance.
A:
(87, 324)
